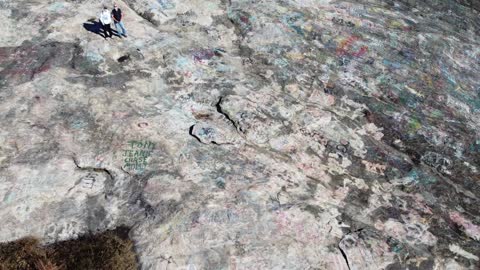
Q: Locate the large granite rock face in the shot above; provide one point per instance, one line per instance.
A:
(309, 134)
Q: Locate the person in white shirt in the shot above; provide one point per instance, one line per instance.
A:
(106, 20)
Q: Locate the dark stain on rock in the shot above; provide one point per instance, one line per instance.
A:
(39, 154)
(23, 63)
(116, 81)
(312, 209)
(82, 64)
(96, 215)
(358, 197)
(123, 58)
(385, 212)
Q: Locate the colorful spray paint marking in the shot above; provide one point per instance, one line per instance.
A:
(206, 54)
(9, 197)
(475, 147)
(242, 19)
(295, 22)
(418, 177)
(346, 47)
(55, 7)
(135, 157)
(166, 4)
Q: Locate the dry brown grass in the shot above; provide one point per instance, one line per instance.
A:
(41, 265)
(105, 251)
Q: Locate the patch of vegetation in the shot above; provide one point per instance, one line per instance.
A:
(104, 251)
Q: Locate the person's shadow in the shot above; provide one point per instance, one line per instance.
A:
(95, 26)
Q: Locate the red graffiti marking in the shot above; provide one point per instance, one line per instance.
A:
(361, 52)
(342, 48)
(345, 47)
(119, 115)
(43, 68)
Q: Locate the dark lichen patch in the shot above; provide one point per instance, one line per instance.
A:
(115, 81)
(150, 17)
(448, 233)
(82, 64)
(312, 209)
(39, 154)
(24, 62)
(358, 197)
(77, 118)
(108, 251)
(384, 213)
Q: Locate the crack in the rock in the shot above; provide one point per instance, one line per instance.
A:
(123, 170)
(138, 197)
(146, 206)
(95, 169)
(217, 143)
(135, 186)
(344, 256)
(190, 131)
(146, 15)
(218, 106)
(77, 51)
(107, 192)
(358, 230)
(37, 70)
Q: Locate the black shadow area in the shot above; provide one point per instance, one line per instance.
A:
(94, 27)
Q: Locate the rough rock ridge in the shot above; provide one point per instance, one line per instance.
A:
(268, 134)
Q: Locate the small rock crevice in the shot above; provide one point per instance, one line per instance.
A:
(206, 140)
(110, 182)
(136, 187)
(95, 169)
(147, 15)
(344, 256)
(190, 131)
(137, 196)
(218, 106)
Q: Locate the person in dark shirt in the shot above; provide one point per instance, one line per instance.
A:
(117, 17)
